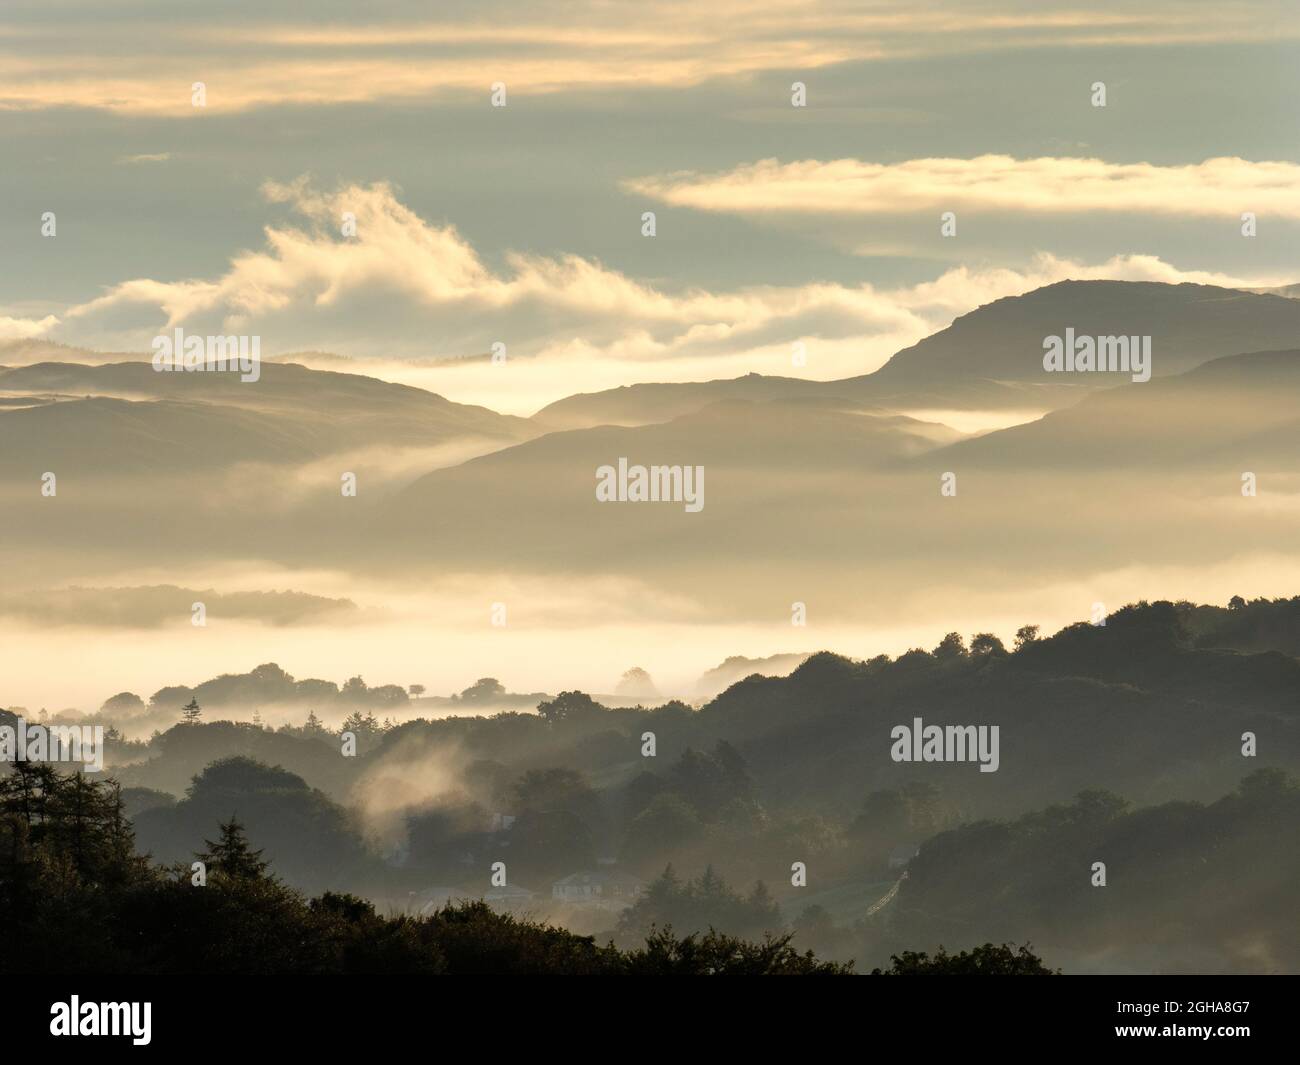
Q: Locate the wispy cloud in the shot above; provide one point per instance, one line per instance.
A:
(1221, 187)
(154, 157)
(135, 63)
(403, 286)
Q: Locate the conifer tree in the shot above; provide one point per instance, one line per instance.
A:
(232, 855)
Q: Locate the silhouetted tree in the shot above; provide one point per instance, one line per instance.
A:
(124, 703)
(567, 706)
(988, 960)
(985, 643)
(1026, 634)
(951, 647)
(483, 690)
(231, 855)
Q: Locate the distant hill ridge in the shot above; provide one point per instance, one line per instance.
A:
(992, 356)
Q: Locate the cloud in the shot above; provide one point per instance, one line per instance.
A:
(404, 287)
(137, 63)
(849, 188)
(26, 328)
(155, 157)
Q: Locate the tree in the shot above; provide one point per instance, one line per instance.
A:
(1266, 784)
(232, 856)
(716, 954)
(950, 648)
(716, 784)
(636, 683)
(704, 904)
(1236, 603)
(483, 690)
(169, 695)
(566, 706)
(416, 690)
(190, 712)
(985, 643)
(1097, 806)
(667, 822)
(238, 776)
(125, 704)
(545, 844)
(988, 960)
(883, 822)
(1026, 635)
(387, 695)
(544, 790)
(363, 726)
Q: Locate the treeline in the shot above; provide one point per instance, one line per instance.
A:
(1246, 625)
(268, 684)
(1181, 887)
(75, 898)
(1190, 882)
(1155, 705)
(1159, 685)
(1104, 886)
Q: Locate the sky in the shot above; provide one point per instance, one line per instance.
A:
(523, 224)
(777, 228)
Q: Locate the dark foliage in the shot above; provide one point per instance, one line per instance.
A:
(75, 898)
(988, 960)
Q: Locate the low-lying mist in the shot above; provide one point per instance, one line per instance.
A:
(558, 634)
